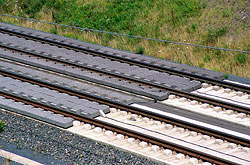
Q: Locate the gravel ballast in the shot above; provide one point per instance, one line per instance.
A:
(59, 145)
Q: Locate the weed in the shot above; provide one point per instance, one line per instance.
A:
(1, 1)
(32, 7)
(193, 27)
(247, 47)
(106, 38)
(139, 50)
(217, 54)
(204, 4)
(2, 125)
(201, 65)
(40, 150)
(195, 21)
(188, 62)
(214, 34)
(206, 58)
(179, 60)
(53, 30)
(240, 59)
(4, 6)
(183, 9)
(132, 41)
(225, 13)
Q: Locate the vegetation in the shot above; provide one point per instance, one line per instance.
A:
(139, 50)
(207, 22)
(2, 125)
(240, 59)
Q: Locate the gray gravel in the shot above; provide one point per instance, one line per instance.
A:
(61, 145)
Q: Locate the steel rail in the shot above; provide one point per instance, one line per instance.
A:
(124, 131)
(204, 99)
(209, 80)
(122, 106)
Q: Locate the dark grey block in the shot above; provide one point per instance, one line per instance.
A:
(125, 54)
(78, 107)
(81, 85)
(4, 79)
(38, 113)
(239, 79)
(69, 103)
(10, 86)
(21, 108)
(195, 84)
(157, 76)
(94, 77)
(60, 120)
(7, 107)
(200, 71)
(92, 104)
(103, 108)
(100, 90)
(88, 111)
(46, 98)
(58, 100)
(140, 72)
(100, 79)
(123, 68)
(6, 101)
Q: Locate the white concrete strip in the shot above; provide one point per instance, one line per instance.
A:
(193, 121)
(178, 133)
(19, 159)
(235, 82)
(132, 145)
(244, 104)
(178, 142)
(227, 115)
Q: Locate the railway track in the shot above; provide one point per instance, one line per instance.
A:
(118, 105)
(153, 90)
(160, 87)
(181, 102)
(121, 130)
(149, 84)
(166, 130)
(187, 95)
(126, 59)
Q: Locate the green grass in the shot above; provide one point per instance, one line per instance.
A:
(214, 34)
(212, 23)
(139, 50)
(111, 15)
(2, 125)
(53, 30)
(240, 59)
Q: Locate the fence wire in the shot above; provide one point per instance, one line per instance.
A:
(125, 35)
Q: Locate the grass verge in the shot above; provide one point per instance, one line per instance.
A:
(211, 23)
